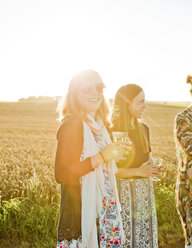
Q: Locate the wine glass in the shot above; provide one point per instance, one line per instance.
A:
(157, 162)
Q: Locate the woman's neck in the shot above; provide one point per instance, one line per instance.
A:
(92, 114)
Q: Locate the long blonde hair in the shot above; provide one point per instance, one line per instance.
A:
(70, 105)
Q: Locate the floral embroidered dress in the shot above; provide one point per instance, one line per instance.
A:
(109, 225)
(183, 132)
(108, 220)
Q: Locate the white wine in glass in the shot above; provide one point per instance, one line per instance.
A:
(157, 162)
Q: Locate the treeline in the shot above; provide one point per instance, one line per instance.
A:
(40, 99)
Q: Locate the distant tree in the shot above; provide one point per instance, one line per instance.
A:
(37, 99)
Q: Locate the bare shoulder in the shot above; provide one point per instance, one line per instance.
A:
(70, 123)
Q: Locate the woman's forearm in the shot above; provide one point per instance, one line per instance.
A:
(127, 172)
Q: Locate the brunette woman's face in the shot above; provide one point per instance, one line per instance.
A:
(137, 106)
(90, 96)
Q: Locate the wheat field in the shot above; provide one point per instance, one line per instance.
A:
(29, 195)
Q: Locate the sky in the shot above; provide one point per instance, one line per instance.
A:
(44, 42)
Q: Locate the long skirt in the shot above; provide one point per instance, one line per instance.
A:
(138, 213)
(108, 223)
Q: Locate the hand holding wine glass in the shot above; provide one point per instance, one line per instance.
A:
(148, 169)
(157, 162)
(115, 151)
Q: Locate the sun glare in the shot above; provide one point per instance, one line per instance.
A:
(43, 44)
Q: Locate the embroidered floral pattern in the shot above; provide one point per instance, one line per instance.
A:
(109, 226)
(72, 244)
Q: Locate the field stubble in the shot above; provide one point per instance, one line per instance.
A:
(29, 193)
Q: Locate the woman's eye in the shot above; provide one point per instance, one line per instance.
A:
(86, 90)
(99, 88)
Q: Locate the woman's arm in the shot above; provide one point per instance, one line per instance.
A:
(126, 173)
(69, 148)
(147, 169)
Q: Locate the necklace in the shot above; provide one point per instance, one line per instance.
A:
(95, 129)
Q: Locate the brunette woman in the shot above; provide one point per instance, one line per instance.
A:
(135, 185)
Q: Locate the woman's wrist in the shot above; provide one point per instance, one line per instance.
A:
(96, 160)
(136, 172)
(103, 157)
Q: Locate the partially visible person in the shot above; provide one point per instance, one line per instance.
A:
(85, 168)
(134, 176)
(183, 138)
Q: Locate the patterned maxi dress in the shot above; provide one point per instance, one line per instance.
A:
(108, 221)
(138, 200)
(183, 132)
(109, 225)
(138, 213)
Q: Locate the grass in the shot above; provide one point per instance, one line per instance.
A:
(29, 195)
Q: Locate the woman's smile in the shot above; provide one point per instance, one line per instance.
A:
(94, 99)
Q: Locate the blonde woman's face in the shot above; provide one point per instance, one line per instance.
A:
(137, 106)
(90, 96)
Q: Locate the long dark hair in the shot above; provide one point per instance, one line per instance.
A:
(120, 118)
(70, 104)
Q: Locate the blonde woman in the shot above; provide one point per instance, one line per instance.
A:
(85, 168)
